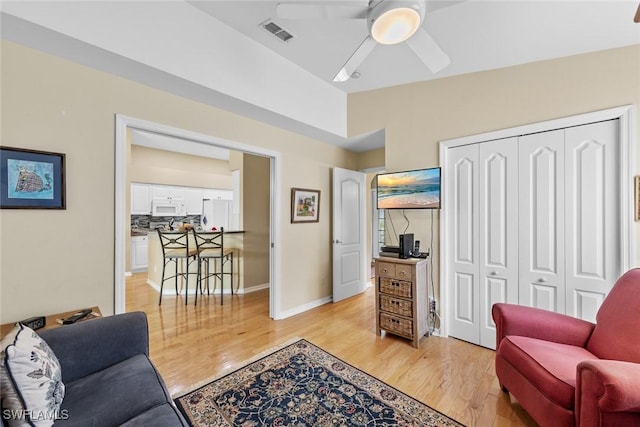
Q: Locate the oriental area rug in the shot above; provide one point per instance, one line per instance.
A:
(303, 385)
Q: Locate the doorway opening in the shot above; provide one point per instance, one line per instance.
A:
(124, 125)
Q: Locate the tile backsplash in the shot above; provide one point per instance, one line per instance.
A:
(153, 222)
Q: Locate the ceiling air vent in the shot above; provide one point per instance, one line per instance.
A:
(277, 30)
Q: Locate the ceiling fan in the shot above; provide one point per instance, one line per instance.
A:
(388, 21)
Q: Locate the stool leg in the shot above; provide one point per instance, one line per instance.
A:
(185, 272)
(164, 265)
(221, 282)
(197, 280)
(176, 276)
(231, 273)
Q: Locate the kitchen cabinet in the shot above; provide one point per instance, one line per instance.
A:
(193, 201)
(169, 192)
(139, 253)
(140, 199)
(217, 194)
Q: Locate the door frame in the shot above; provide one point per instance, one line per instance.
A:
(628, 246)
(122, 124)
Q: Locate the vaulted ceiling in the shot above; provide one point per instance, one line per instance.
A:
(217, 52)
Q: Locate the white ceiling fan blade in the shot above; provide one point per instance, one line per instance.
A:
(355, 60)
(320, 11)
(428, 51)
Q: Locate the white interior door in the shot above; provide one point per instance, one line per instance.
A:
(593, 200)
(498, 220)
(349, 234)
(542, 228)
(461, 204)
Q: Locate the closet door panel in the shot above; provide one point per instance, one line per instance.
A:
(462, 204)
(592, 250)
(498, 194)
(541, 227)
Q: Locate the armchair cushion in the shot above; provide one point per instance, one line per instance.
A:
(550, 367)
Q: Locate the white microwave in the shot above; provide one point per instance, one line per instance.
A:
(168, 207)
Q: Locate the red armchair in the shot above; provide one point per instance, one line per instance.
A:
(569, 372)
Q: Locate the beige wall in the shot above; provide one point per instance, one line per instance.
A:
(55, 261)
(256, 196)
(417, 116)
(167, 167)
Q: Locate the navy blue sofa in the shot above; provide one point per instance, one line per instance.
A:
(108, 376)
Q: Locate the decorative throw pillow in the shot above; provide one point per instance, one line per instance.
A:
(30, 379)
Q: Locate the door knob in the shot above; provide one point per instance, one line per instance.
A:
(542, 280)
(494, 273)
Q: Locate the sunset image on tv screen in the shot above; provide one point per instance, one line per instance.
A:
(409, 190)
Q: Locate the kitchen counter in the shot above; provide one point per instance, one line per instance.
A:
(233, 239)
(146, 231)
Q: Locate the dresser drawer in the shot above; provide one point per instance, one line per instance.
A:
(396, 325)
(399, 306)
(398, 288)
(386, 269)
(396, 271)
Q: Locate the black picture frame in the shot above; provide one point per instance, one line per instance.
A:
(31, 179)
(305, 205)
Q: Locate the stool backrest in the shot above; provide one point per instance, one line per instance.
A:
(174, 241)
(210, 241)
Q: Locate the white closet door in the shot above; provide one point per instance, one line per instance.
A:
(498, 220)
(541, 228)
(462, 206)
(592, 249)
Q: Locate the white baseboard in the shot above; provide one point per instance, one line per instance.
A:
(304, 307)
(254, 288)
(169, 289)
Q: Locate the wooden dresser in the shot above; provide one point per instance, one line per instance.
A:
(402, 299)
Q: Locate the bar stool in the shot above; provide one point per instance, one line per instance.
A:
(175, 247)
(210, 246)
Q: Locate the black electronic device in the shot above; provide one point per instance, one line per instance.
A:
(79, 315)
(389, 254)
(34, 323)
(406, 245)
(416, 248)
(392, 249)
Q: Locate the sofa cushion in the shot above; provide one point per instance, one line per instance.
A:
(549, 366)
(30, 378)
(161, 416)
(615, 336)
(114, 395)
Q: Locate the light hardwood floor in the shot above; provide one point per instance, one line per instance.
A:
(190, 344)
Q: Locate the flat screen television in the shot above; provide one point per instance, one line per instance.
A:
(415, 189)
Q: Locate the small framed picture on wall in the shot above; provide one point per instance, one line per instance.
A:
(305, 205)
(31, 179)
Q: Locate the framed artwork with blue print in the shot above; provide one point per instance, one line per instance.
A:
(31, 179)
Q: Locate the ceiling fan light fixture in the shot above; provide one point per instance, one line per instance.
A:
(395, 25)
